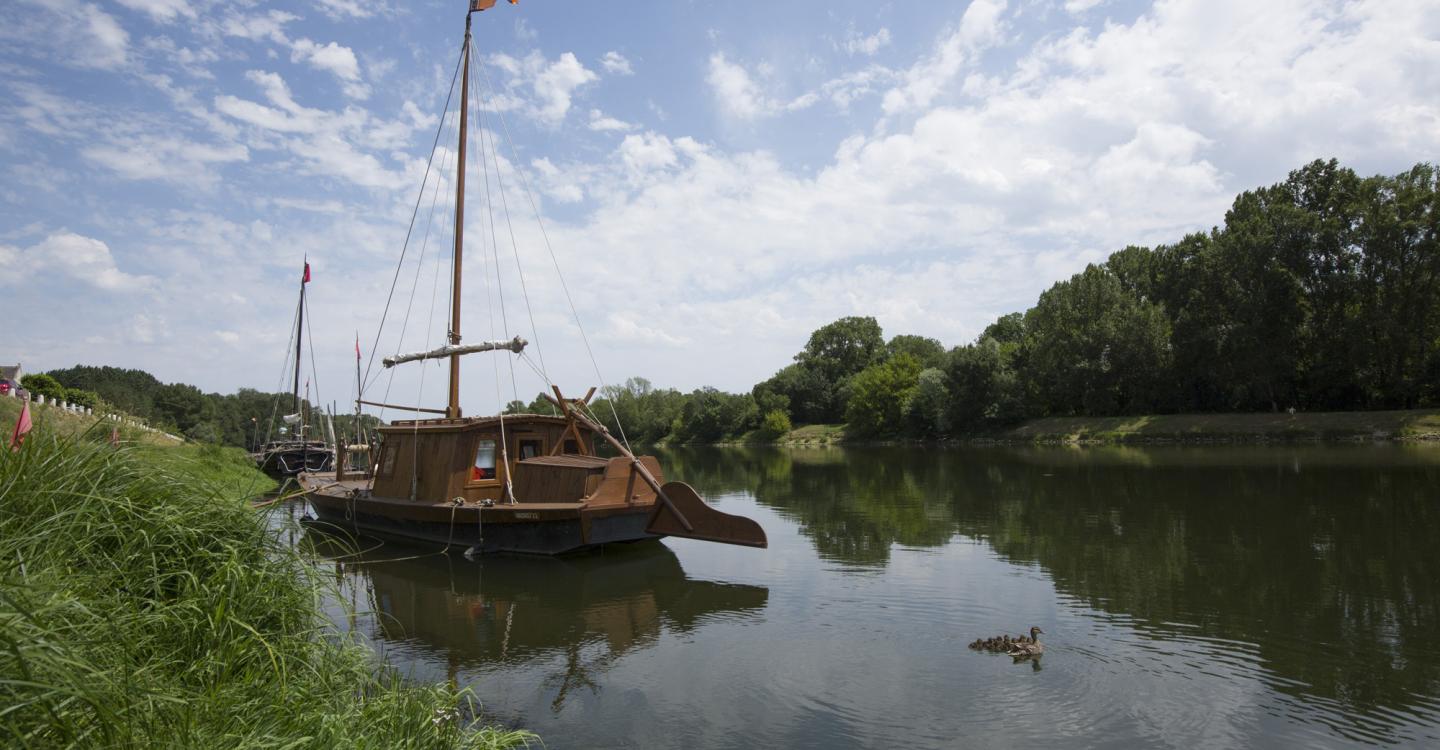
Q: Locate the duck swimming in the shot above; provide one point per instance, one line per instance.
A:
(1024, 649)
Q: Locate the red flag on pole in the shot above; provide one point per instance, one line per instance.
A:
(357, 347)
(22, 427)
(306, 278)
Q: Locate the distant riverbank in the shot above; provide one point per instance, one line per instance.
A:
(1350, 426)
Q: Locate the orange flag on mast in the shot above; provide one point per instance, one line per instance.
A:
(22, 427)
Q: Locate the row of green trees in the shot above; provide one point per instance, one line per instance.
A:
(1318, 293)
(240, 419)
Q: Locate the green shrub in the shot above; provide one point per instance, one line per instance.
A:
(776, 424)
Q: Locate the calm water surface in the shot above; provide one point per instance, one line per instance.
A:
(1215, 596)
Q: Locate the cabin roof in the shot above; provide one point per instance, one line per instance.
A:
(569, 461)
(471, 423)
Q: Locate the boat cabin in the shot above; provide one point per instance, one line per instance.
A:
(550, 459)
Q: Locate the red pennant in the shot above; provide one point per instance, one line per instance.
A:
(22, 427)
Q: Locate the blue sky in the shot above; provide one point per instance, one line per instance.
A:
(715, 179)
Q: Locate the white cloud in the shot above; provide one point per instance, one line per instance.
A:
(740, 97)
(979, 28)
(166, 159)
(67, 32)
(856, 43)
(164, 11)
(1076, 7)
(146, 328)
(352, 9)
(624, 328)
(334, 58)
(615, 63)
(541, 88)
(84, 259)
(599, 121)
(328, 143)
(267, 27)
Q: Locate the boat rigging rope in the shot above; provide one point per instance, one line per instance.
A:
(419, 198)
(535, 208)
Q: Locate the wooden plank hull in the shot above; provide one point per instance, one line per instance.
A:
(526, 528)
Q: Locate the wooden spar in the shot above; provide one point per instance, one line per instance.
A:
(516, 345)
(401, 408)
(635, 466)
(452, 411)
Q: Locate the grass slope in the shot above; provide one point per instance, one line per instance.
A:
(143, 603)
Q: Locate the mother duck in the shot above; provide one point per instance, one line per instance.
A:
(1033, 647)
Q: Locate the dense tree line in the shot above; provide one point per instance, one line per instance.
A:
(239, 419)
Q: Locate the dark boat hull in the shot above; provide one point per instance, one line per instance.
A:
(291, 462)
(515, 529)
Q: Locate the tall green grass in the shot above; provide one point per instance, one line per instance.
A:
(143, 604)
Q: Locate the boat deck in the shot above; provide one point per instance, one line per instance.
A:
(325, 484)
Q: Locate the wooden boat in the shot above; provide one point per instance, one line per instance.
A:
(289, 457)
(523, 483)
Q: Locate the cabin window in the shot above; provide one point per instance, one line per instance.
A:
(531, 447)
(571, 446)
(484, 467)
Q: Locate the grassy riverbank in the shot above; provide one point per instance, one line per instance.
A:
(1415, 424)
(143, 603)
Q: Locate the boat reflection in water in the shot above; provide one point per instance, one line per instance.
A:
(582, 613)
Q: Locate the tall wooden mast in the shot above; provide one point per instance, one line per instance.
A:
(299, 336)
(452, 411)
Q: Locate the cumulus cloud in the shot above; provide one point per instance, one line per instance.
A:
(539, 87)
(333, 58)
(979, 28)
(856, 43)
(269, 26)
(165, 159)
(70, 32)
(82, 258)
(739, 96)
(164, 11)
(327, 143)
(615, 63)
(599, 121)
(351, 9)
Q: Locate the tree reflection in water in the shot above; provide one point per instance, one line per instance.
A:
(1323, 557)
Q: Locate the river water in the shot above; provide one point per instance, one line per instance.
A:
(1190, 596)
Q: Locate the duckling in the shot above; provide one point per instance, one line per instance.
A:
(1026, 649)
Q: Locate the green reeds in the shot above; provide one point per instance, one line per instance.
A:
(145, 605)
